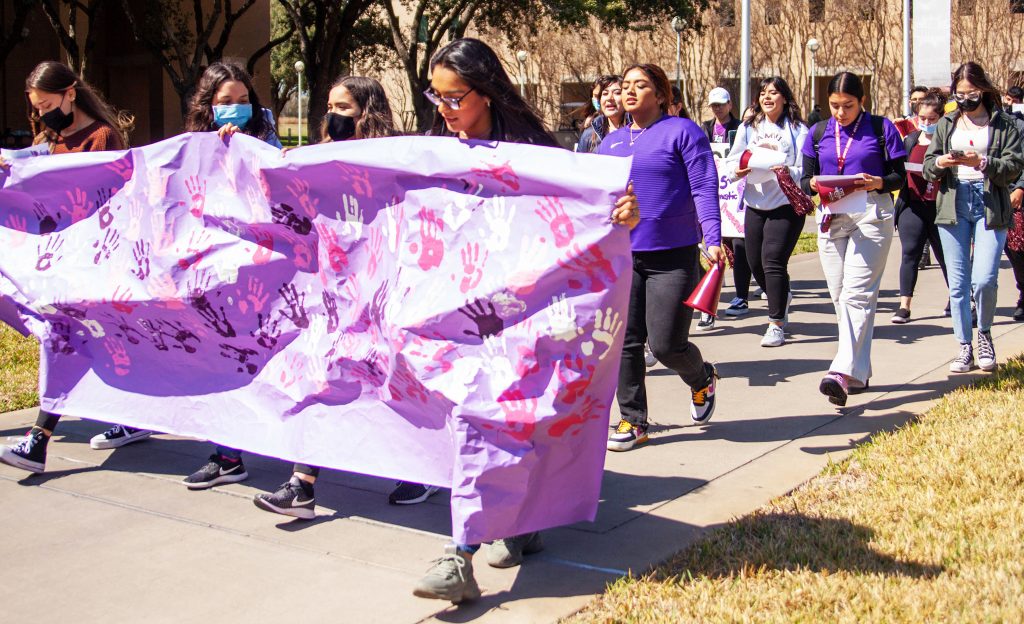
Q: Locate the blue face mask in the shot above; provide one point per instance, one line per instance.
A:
(929, 128)
(596, 103)
(238, 114)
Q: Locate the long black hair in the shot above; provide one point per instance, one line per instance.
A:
(54, 77)
(200, 109)
(512, 118)
(975, 74)
(790, 111)
(846, 83)
(376, 119)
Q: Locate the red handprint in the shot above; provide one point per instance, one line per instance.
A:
(589, 409)
(502, 173)
(520, 414)
(472, 266)
(575, 388)
(405, 385)
(336, 256)
(120, 357)
(80, 205)
(264, 247)
(120, 300)
(196, 186)
(358, 177)
(432, 251)
(123, 168)
(591, 262)
(553, 213)
(300, 190)
(198, 247)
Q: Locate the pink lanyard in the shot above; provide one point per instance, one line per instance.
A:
(849, 142)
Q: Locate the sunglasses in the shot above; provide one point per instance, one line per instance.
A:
(963, 97)
(452, 102)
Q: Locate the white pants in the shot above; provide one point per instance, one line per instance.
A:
(853, 254)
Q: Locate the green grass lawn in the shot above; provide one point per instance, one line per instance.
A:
(925, 524)
(19, 363)
(808, 242)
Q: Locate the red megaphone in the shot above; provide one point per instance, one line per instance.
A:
(705, 297)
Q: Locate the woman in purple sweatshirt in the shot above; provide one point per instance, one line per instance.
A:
(676, 185)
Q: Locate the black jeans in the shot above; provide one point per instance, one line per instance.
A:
(771, 238)
(916, 224)
(662, 280)
(740, 267)
(1017, 263)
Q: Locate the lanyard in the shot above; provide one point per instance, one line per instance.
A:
(849, 142)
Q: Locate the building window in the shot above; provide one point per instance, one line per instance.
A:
(773, 13)
(1016, 6)
(816, 10)
(726, 10)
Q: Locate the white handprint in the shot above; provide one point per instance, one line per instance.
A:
(502, 373)
(94, 328)
(350, 210)
(392, 229)
(499, 221)
(562, 316)
(606, 327)
(456, 213)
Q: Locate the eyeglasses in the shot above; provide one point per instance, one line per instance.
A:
(452, 102)
(963, 97)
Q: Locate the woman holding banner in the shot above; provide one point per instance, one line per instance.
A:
(771, 225)
(69, 116)
(677, 183)
(854, 161)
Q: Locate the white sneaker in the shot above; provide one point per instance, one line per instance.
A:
(760, 294)
(964, 362)
(774, 336)
(649, 359)
(986, 352)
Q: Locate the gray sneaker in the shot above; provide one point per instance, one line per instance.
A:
(774, 337)
(986, 352)
(451, 578)
(964, 362)
(508, 552)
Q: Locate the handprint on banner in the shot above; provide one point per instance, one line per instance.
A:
(105, 213)
(300, 191)
(47, 223)
(120, 300)
(283, 214)
(394, 214)
(432, 251)
(254, 296)
(49, 252)
(141, 254)
(358, 177)
(589, 409)
(302, 256)
(95, 328)
(350, 211)
(196, 188)
(331, 309)
(499, 224)
(79, 205)
(125, 329)
(111, 241)
(155, 335)
(198, 247)
(199, 301)
(135, 211)
(500, 372)
(264, 246)
(296, 310)
(376, 243)
(336, 256)
(177, 332)
(123, 167)
(591, 263)
(524, 281)
(404, 385)
(59, 339)
(240, 355)
(19, 230)
(576, 384)
(488, 323)
(472, 266)
(119, 356)
(504, 174)
(553, 213)
(268, 331)
(437, 359)
(291, 372)
(164, 290)
(372, 370)
(562, 317)
(607, 325)
(520, 415)
(162, 224)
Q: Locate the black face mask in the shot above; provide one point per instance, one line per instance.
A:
(340, 127)
(57, 120)
(969, 105)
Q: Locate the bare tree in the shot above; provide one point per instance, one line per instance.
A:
(986, 32)
(66, 17)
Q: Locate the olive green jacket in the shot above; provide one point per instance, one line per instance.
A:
(1005, 165)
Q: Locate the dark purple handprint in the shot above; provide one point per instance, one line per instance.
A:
(268, 332)
(177, 332)
(125, 330)
(331, 307)
(141, 253)
(283, 214)
(59, 339)
(156, 336)
(47, 223)
(49, 252)
(198, 300)
(241, 355)
(111, 241)
(296, 310)
(488, 323)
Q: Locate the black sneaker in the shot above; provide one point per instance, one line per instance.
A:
(901, 316)
(294, 498)
(118, 435)
(706, 322)
(702, 400)
(219, 470)
(1018, 312)
(29, 454)
(411, 493)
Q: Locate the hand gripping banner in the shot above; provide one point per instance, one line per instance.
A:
(416, 308)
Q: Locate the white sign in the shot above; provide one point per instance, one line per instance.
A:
(730, 200)
(931, 43)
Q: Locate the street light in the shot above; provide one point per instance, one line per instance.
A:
(521, 56)
(812, 46)
(679, 27)
(299, 68)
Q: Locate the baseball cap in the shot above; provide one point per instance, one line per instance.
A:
(718, 95)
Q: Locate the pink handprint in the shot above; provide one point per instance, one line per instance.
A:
(49, 254)
(162, 288)
(264, 247)
(19, 225)
(584, 374)
(358, 177)
(472, 266)
(196, 186)
(520, 414)
(437, 356)
(198, 247)
(255, 296)
(405, 385)
(336, 256)
(120, 357)
(591, 262)
(553, 213)
(588, 410)
(80, 205)
(293, 371)
(376, 251)
(303, 256)
(122, 168)
(300, 190)
(432, 251)
(502, 173)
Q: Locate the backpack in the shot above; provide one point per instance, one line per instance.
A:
(877, 124)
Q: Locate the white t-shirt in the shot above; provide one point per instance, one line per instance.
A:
(787, 138)
(976, 140)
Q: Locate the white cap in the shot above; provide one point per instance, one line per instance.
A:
(719, 95)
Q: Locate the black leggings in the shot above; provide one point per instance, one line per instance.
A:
(916, 224)
(740, 267)
(1017, 263)
(771, 238)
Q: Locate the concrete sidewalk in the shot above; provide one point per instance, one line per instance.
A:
(112, 536)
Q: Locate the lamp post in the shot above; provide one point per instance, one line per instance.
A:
(906, 58)
(678, 26)
(812, 47)
(521, 56)
(744, 56)
(299, 68)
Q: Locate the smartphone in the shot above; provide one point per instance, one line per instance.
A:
(958, 154)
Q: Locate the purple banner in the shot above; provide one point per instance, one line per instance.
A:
(417, 308)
